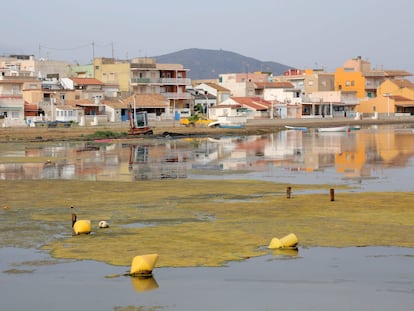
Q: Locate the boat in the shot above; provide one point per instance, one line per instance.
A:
(231, 126)
(334, 129)
(143, 264)
(296, 128)
(82, 227)
(226, 125)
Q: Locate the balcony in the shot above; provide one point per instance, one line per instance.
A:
(175, 81)
(161, 81)
(172, 95)
(141, 80)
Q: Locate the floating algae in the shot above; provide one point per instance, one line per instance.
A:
(39, 216)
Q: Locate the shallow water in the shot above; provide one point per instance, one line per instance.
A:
(369, 278)
(371, 159)
(366, 278)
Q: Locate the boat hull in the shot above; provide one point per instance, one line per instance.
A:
(334, 129)
(296, 128)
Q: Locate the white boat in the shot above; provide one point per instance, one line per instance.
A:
(334, 129)
(227, 125)
(296, 128)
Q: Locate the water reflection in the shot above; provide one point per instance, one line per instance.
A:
(144, 284)
(285, 156)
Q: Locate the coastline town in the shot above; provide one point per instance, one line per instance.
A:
(39, 92)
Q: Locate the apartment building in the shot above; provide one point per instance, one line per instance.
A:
(243, 84)
(169, 80)
(12, 101)
(358, 76)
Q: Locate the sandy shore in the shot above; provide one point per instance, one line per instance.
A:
(160, 128)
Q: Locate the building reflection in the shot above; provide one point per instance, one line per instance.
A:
(358, 154)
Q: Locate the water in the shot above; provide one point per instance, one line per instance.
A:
(371, 159)
(369, 278)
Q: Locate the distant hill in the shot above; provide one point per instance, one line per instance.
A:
(209, 64)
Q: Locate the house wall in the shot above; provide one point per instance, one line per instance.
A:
(13, 106)
(281, 95)
(68, 114)
(113, 73)
(357, 64)
(242, 84)
(382, 104)
(350, 81)
(378, 104)
(83, 71)
(33, 96)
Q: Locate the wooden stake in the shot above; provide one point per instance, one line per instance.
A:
(288, 192)
(332, 194)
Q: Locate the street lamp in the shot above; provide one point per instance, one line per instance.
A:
(388, 95)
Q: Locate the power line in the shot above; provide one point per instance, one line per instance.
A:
(93, 44)
(65, 49)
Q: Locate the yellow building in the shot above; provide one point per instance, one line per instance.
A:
(347, 80)
(393, 96)
(357, 76)
(111, 71)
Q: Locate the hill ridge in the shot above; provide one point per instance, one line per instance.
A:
(209, 64)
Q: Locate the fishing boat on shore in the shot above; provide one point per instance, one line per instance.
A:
(296, 128)
(227, 125)
(334, 129)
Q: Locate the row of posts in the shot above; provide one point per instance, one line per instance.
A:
(331, 193)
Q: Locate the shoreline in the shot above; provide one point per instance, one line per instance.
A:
(173, 128)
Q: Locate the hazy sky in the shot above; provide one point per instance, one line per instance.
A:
(297, 33)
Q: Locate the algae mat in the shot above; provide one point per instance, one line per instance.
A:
(195, 222)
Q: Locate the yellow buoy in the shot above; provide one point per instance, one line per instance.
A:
(144, 264)
(287, 241)
(275, 243)
(290, 240)
(82, 227)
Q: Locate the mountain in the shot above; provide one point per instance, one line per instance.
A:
(209, 64)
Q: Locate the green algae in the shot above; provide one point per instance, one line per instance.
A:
(196, 222)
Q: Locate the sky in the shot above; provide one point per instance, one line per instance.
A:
(297, 33)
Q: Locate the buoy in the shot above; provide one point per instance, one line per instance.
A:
(82, 227)
(143, 264)
(103, 224)
(275, 243)
(288, 241)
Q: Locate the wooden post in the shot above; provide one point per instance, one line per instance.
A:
(332, 194)
(73, 219)
(288, 192)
